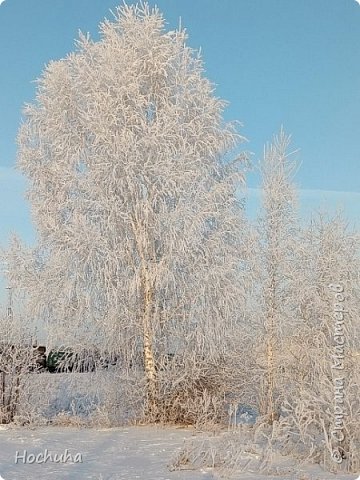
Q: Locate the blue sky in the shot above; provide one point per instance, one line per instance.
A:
(277, 62)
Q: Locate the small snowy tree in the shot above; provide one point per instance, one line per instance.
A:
(18, 358)
(18, 344)
(134, 197)
(323, 349)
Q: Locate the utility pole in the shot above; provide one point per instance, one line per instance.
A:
(9, 307)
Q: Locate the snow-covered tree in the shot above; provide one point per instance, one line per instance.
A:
(133, 193)
(18, 355)
(323, 350)
(273, 292)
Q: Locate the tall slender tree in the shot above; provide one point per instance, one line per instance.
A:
(277, 233)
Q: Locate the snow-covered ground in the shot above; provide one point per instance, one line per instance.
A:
(107, 454)
(111, 454)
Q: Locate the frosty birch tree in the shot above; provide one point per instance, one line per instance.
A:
(324, 346)
(270, 281)
(133, 194)
(277, 232)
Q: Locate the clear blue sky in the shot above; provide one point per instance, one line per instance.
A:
(289, 62)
